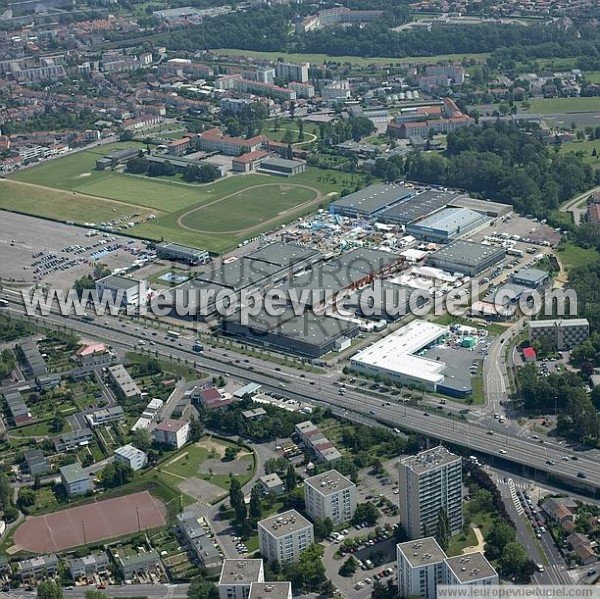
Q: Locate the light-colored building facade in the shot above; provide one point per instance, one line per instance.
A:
(133, 457)
(330, 495)
(75, 480)
(423, 566)
(172, 432)
(124, 291)
(290, 71)
(564, 334)
(237, 575)
(429, 482)
(84, 567)
(283, 537)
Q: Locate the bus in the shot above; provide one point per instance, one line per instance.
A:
(173, 334)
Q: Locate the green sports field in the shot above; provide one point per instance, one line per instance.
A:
(215, 216)
(563, 105)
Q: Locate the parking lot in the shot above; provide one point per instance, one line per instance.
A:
(35, 250)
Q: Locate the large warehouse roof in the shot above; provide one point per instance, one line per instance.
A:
(372, 199)
(418, 206)
(450, 220)
(467, 253)
(394, 353)
(284, 254)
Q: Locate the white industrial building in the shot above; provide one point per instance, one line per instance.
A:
(330, 495)
(125, 291)
(394, 356)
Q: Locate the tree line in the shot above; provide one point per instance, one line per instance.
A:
(502, 161)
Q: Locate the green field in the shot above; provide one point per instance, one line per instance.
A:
(355, 60)
(572, 256)
(224, 212)
(586, 148)
(563, 105)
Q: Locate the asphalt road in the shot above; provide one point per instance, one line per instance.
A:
(321, 389)
(157, 591)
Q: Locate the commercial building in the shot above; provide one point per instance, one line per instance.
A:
(37, 463)
(393, 357)
(290, 71)
(89, 565)
(491, 209)
(418, 205)
(270, 590)
(305, 334)
(370, 201)
(283, 537)
(330, 495)
(36, 567)
(105, 416)
(123, 381)
(125, 291)
(429, 482)
(133, 457)
(446, 225)
(563, 334)
(131, 565)
(172, 432)
(531, 277)
(115, 159)
(423, 566)
(181, 253)
(466, 257)
(73, 440)
(237, 575)
(75, 480)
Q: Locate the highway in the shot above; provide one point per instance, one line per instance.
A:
(321, 389)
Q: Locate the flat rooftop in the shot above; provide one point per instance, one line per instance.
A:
(468, 253)
(471, 567)
(422, 552)
(559, 322)
(373, 199)
(241, 571)
(430, 459)
(450, 220)
(394, 353)
(280, 525)
(418, 206)
(531, 275)
(329, 482)
(270, 590)
(284, 254)
(486, 206)
(176, 247)
(118, 282)
(239, 274)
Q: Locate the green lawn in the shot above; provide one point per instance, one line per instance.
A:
(592, 76)
(59, 205)
(45, 502)
(227, 215)
(317, 59)
(38, 429)
(572, 256)
(69, 189)
(586, 148)
(187, 462)
(563, 105)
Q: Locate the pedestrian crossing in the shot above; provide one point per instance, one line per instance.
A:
(510, 483)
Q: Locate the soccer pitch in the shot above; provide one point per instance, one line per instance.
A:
(214, 216)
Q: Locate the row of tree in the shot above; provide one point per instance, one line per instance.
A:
(503, 161)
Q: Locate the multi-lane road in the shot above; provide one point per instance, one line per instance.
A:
(574, 467)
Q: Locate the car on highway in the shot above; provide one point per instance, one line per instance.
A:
(581, 475)
(502, 451)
